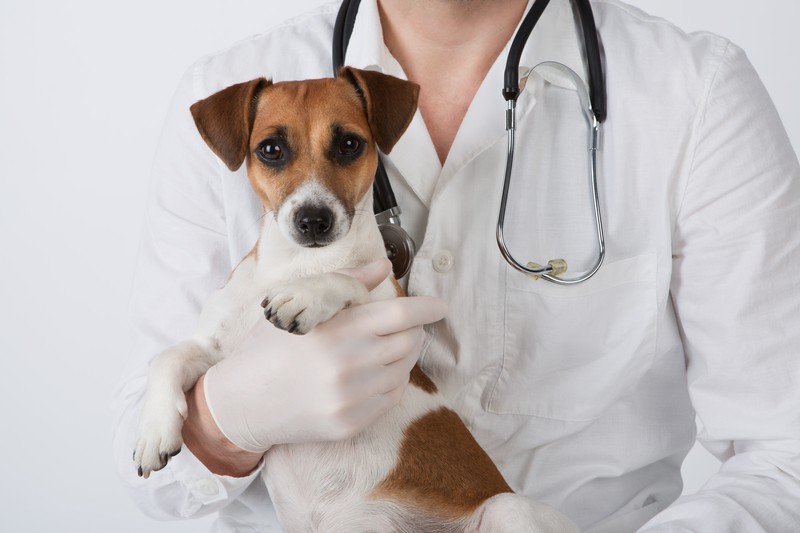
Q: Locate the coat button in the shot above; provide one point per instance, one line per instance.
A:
(207, 487)
(443, 262)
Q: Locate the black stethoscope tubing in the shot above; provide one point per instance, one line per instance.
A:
(384, 202)
(383, 195)
(591, 44)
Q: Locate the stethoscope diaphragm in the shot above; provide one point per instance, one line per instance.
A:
(400, 248)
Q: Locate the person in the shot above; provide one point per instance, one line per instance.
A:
(586, 396)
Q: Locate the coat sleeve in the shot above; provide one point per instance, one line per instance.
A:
(183, 257)
(736, 291)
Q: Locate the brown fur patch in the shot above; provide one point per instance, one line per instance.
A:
(441, 470)
(398, 290)
(418, 377)
(390, 103)
(225, 118)
(421, 381)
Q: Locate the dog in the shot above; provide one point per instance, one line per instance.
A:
(438, 479)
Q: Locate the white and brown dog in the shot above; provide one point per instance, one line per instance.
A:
(426, 473)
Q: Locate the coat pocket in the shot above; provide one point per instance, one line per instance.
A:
(570, 352)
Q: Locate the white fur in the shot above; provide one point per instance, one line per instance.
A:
(512, 513)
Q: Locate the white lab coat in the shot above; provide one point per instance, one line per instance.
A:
(584, 396)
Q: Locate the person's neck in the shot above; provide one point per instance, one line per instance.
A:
(449, 25)
(447, 46)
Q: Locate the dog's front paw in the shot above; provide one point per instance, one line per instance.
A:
(159, 433)
(298, 305)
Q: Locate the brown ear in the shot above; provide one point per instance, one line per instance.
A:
(390, 103)
(225, 120)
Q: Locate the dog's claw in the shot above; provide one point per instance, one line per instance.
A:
(293, 326)
(139, 471)
(268, 313)
(265, 303)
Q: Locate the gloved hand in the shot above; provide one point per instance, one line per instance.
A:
(329, 384)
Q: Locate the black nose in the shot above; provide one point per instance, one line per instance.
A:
(313, 221)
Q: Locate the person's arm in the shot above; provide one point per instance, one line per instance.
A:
(183, 257)
(736, 291)
(204, 438)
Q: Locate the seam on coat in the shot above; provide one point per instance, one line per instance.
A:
(696, 132)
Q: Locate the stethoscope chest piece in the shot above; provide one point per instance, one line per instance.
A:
(400, 248)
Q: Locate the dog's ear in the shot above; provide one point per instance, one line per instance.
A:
(390, 103)
(225, 120)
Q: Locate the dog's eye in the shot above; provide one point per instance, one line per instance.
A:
(349, 145)
(270, 150)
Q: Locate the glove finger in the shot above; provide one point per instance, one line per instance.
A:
(377, 405)
(398, 347)
(394, 375)
(399, 314)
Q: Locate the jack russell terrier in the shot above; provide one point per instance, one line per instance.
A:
(427, 473)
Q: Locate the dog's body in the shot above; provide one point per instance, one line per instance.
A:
(417, 469)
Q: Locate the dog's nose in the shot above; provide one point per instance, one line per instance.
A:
(313, 221)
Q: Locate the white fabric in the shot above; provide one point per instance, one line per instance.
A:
(584, 396)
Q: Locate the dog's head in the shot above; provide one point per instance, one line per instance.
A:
(309, 146)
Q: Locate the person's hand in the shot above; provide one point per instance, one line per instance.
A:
(326, 385)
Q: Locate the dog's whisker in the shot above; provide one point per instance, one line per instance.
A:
(355, 212)
(270, 212)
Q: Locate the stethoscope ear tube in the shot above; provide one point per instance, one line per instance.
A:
(342, 29)
(382, 194)
(594, 104)
(555, 267)
(511, 77)
(597, 81)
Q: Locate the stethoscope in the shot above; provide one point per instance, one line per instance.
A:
(400, 247)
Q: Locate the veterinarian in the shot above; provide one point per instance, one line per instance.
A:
(586, 396)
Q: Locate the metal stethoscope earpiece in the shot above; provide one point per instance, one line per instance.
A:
(593, 103)
(399, 246)
(556, 267)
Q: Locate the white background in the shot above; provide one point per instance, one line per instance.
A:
(84, 87)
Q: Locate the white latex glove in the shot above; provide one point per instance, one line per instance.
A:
(329, 384)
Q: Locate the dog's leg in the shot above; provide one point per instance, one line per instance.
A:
(298, 305)
(512, 513)
(172, 373)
